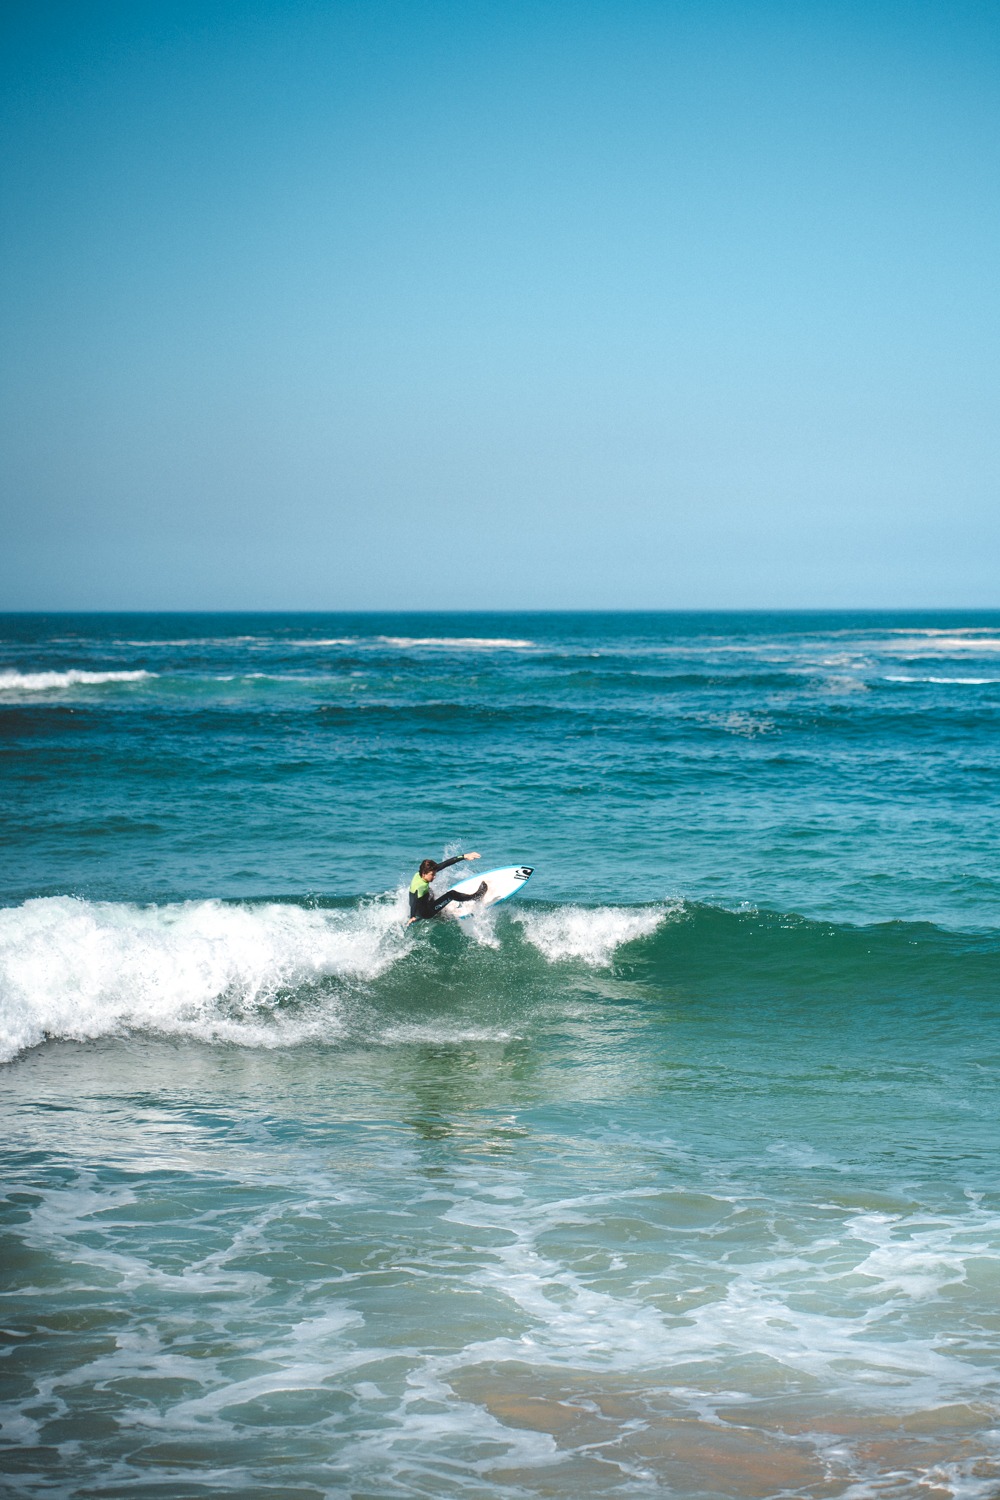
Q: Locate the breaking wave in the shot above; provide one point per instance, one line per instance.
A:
(273, 974)
(467, 642)
(260, 974)
(41, 682)
(588, 934)
(81, 969)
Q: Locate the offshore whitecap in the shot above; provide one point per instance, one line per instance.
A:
(675, 1175)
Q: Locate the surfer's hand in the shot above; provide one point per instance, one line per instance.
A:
(471, 856)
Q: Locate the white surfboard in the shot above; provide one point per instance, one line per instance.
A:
(500, 885)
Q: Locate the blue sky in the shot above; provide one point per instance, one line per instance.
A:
(549, 305)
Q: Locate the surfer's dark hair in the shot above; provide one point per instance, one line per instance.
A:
(427, 864)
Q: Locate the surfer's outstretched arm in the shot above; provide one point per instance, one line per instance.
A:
(456, 859)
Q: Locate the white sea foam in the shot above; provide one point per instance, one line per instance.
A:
(80, 969)
(206, 640)
(468, 642)
(42, 682)
(948, 681)
(77, 969)
(590, 934)
(461, 642)
(869, 1332)
(938, 643)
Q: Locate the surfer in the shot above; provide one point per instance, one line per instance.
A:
(423, 902)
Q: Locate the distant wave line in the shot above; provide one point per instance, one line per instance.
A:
(468, 641)
(947, 681)
(39, 682)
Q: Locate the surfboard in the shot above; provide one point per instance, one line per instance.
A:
(500, 886)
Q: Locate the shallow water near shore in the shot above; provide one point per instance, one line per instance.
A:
(676, 1175)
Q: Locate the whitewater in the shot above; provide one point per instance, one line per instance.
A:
(262, 975)
(676, 1175)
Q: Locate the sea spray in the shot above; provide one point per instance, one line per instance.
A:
(590, 934)
(73, 968)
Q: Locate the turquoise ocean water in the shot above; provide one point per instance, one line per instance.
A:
(676, 1176)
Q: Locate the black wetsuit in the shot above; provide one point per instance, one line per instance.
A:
(424, 903)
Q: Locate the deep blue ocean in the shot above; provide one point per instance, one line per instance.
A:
(677, 1175)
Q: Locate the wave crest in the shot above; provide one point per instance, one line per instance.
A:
(262, 974)
(79, 969)
(458, 642)
(41, 682)
(589, 934)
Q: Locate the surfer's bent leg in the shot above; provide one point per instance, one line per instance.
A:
(442, 901)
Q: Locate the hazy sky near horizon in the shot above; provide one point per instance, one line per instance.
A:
(568, 305)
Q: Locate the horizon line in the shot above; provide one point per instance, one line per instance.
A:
(729, 609)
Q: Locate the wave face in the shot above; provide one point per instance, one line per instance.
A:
(277, 974)
(675, 1175)
(263, 975)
